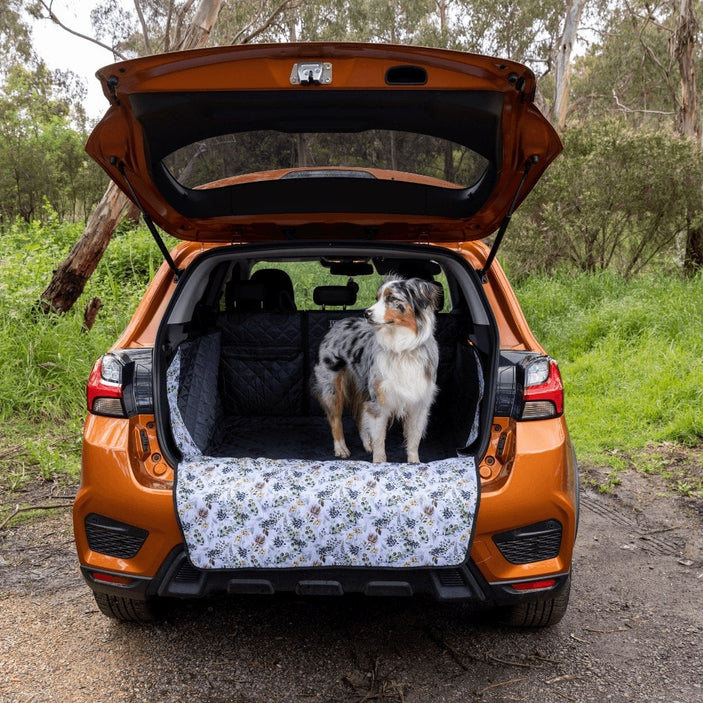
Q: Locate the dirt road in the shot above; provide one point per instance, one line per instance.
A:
(634, 630)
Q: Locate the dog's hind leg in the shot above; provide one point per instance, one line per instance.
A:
(334, 407)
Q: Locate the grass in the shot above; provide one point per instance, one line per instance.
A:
(46, 359)
(630, 353)
(631, 356)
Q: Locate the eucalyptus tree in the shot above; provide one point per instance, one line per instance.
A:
(156, 25)
(15, 35)
(644, 69)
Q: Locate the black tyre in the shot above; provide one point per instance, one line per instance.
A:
(542, 613)
(126, 609)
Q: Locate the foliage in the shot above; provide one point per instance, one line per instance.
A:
(47, 358)
(617, 198)
(41, 154)
(629, 71)
(629, 352)
(15, 44)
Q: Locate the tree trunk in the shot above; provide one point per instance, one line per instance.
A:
(682, 47)
(198, 31)
(562, 62)
(70, 277)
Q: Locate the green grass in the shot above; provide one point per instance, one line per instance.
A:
(630, 352)
(46, 359)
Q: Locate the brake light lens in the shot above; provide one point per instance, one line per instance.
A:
(543, 394)
(104, 392)
(121, 384)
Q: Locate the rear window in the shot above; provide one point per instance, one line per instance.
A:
(306, 276)
(370, 154)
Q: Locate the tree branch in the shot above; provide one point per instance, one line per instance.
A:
(624, 108)
(145, 31)
(56, 20)
(238, 39)
(28, 508)
(180, 14)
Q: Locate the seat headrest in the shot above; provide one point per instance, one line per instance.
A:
(335, 295)
(279, 295)
(245, 296)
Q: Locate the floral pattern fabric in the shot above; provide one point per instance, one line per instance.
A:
(266, 513)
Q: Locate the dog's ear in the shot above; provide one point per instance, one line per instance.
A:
(429, 293)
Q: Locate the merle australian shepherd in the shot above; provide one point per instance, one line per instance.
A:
(382, 366)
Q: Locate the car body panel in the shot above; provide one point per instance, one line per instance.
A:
(535, 483)
(537, 487)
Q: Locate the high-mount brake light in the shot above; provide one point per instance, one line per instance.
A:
(543, 394)
(104, 392)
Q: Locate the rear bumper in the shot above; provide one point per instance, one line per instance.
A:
(178, 578)
(540, 492)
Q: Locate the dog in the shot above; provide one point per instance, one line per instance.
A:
(382, 366)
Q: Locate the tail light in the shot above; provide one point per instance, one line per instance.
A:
(543, 394)
(120, 384)
(529, 387)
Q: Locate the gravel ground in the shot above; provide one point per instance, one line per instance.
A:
(633, 632)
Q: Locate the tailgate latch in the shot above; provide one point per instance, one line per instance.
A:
(311, 73)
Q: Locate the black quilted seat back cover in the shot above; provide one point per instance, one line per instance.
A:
(262, 364)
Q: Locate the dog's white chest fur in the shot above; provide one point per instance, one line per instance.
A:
(405, 381)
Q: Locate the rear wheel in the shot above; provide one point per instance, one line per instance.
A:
(542, 613)
(126, 609)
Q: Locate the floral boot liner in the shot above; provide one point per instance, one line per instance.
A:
(238, 513)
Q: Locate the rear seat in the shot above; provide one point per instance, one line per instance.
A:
(267, 359)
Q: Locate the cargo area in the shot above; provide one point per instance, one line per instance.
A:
(247, 354)
(257, 483)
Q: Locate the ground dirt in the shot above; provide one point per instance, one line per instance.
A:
(633, 631)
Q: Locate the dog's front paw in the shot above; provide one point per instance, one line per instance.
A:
(413, 458)
(341, 451)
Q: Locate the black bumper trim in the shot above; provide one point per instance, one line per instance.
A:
(178, 578)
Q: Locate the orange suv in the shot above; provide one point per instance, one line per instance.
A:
(300, 176)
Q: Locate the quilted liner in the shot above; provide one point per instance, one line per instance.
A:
(265, 513)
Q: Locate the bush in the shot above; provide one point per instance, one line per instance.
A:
(616, 199)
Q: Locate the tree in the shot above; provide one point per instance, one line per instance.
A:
(682, 48)
(160, 25)
(561, 57)
(70, 277)
(15, 39)
(42, 161)
(616, 199)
